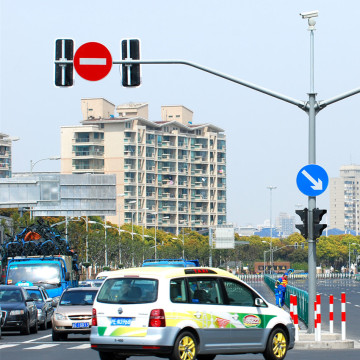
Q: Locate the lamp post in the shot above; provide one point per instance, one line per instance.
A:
(265, 251)
(132, 232)
(119, 229)
(271, 188)
(105, 227)
(349, 256)
(32, 164)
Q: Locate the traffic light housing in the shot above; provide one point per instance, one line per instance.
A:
(130, 50)
(317, 216)
(64, 73)
(304, 226)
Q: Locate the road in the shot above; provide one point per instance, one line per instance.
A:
(41, 347)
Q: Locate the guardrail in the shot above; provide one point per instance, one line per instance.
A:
(302, 298)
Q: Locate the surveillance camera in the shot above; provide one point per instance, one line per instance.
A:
(309, 14)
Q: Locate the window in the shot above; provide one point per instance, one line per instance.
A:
(238, 294)
(128, 125)
(205, 291)
(178, 291)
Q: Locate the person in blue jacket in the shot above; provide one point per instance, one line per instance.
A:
(280, 289)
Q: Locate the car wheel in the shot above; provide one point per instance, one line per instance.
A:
(111, 356)
(276, 346)
(55, 335)
(185, 347)
(63, 337)
(26, 329)
(35, 328)
(206, 357)
(45, 324)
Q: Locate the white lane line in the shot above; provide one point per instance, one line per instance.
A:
(92, 61)
(357, 305)
(43, 337)
(8, 346)
(43, 346)
(80, 347)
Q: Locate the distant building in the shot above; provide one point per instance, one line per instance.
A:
(285, 224)
(5, 156)
(170, 174)
(344, 199)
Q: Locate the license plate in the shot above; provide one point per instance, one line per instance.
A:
(80, 325)
(121, 321)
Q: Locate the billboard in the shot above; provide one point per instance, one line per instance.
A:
(224, 237)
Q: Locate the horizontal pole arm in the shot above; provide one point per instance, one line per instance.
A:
(339, 97)
(277, 95)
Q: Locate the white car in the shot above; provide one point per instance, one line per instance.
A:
(185, 313)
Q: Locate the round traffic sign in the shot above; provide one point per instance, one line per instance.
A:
(312, 180)
(92, 61)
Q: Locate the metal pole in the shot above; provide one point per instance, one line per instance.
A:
(183, 252)
(210, 245)
(106, 259)
(264, 263)
(132, 238)
(87, 238)
(311, 199)
(271, 251)
(119, 238)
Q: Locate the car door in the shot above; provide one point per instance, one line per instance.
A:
(206, 304)
(249, 321)
(31, 306)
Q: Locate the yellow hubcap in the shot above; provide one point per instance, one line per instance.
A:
(187, 348)
(279, 345)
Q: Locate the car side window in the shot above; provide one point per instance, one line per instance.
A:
(238, 294)
(205, 291)
(178, 292)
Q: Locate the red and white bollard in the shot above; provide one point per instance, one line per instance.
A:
(331, 314)
(318, 301)
(296, 319)
(315, 322)
(292, 306)
(343, 316)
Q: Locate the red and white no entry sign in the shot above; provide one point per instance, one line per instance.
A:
(92, 61)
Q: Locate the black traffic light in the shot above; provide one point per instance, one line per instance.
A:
(317, 216)
(64, 73)
(296, 246)
(130, 50)
(304, 226)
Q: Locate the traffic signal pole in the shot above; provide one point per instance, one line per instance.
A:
(311, 107)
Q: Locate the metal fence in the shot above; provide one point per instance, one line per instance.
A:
(302, 298)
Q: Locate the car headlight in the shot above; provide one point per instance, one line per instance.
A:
(16, 312)
(59, 316)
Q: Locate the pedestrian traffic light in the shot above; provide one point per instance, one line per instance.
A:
(304, 226)
(317, 216)
(130, 50)
(64, 73)
(296, 246)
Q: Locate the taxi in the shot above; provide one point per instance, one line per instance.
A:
(185, 313)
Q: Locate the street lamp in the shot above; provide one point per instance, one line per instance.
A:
(32, 164)
(132, 232)
(105, 227)
(119, 195)
(349, 256)
(271, 253)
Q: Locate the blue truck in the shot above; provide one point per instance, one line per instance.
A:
(39, 256)
(171, 263)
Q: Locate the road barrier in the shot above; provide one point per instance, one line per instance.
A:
(343, 316)
(331, 314)
(294, 315)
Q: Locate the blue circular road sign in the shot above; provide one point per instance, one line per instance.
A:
(312, 180)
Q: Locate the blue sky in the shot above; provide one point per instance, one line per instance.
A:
(260, 41)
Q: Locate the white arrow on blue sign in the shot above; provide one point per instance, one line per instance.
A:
(312, 180)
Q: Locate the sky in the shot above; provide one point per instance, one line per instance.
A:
(263, 42)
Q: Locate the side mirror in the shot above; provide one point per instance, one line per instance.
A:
(67, 276)
(259, 302)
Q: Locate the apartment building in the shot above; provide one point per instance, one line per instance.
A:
(5, 155)
(344, 199)
(171, 173)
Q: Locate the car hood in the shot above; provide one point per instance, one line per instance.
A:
(12, 306)
(75, 309)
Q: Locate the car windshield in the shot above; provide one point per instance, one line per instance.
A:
(128, 291)
(10, 296)
(34, 273)
(70, 298)
(35, 294)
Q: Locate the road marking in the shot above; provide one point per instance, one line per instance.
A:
(43, 346)
(43, 337)
(7, 346)
(92, 61)
(80, 347)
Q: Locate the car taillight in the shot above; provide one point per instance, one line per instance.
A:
(94, 319)
(157, 318)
